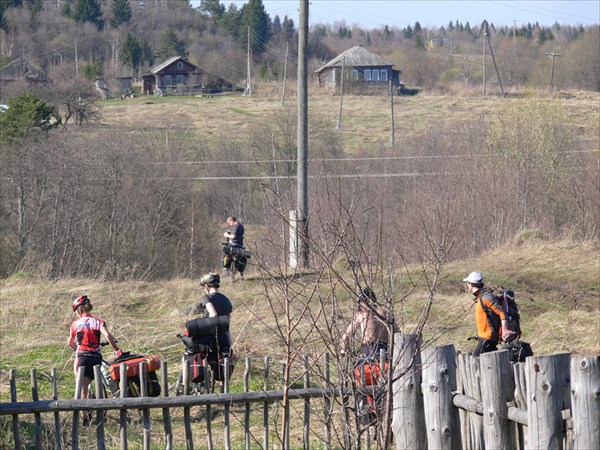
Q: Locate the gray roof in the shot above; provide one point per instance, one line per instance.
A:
(168, 62)
(355, 57)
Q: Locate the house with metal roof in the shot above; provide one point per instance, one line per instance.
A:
(173, 76)
(360, 67)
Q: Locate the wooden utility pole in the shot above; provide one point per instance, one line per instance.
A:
(248, 77)
(392, 131)
(554, 55)
(484, 58)
(287, 49)
(302, 225)
(494, 60)
(339, 122)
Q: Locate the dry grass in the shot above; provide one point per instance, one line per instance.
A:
(366, 119)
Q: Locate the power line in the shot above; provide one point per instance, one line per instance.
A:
(366, 158)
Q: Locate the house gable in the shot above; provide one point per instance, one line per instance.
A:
(359, 64)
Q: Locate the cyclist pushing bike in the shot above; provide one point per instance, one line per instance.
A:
(212, 305)
(84, 339)
(235, 237)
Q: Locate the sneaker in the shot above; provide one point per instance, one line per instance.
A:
(241, 276)
(225, 272)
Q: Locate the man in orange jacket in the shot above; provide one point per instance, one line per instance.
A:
(488, 316)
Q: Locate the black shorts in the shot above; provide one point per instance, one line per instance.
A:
(88, 361)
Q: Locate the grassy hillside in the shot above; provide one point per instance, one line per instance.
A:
(557, 286)
(366, 120)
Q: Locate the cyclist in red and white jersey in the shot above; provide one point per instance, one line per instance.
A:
(84, 338)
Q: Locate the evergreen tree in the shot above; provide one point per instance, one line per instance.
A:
(93, 70)
(25, 113)
(231, 21)
(147, 57)
(212, 8)
(88, 11)
(255, 17)
(170, 45)
(289, 30)
(121, 12)
(131, 54)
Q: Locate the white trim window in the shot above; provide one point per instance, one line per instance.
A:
(367, 75)
(180, 79)
(384, 75)
(180, 64)
(375, 74)
(167, 80)
(355, 74)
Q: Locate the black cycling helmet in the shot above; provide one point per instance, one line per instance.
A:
(211, 279)
(367, 296)
(80, 301)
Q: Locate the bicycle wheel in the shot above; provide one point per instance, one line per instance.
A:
(196, 387)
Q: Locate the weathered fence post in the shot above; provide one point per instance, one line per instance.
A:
(145, 411)
(57, 427)
(306, 434)
(469, 385)
(123, 413)
(166, 412)
(497, 388)
(327, 402)
(75, 426)
(585, 401)
(408, 422)
(266, 405)
(15, 417)
(439, 381)
(100, 393)
(36, 417)
(247, 406)
(226, 428)
(189, 440)
(548, 389)
(520, 401)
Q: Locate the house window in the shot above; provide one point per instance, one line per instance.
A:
(375, 74)
(384, 76)
(167, 80)
(180, 64)
(355, 74)
(180, 79)
(367, 74)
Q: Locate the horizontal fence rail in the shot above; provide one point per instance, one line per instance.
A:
(442, 399)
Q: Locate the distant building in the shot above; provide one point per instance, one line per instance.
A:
(175, 76)
(21, 70)
(360, 67)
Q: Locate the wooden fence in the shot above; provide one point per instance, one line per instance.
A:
(441, 400)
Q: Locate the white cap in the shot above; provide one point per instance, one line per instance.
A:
(474, 278)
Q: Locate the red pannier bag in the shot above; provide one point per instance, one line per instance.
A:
(133, 366)
(372, 373)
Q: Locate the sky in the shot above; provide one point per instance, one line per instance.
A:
(370, 14)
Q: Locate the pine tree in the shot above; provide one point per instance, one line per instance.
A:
(121, 12)
(255, 17)
(88, 11)
(170, 45)
(132, 51)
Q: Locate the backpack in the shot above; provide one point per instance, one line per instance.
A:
(504, 300)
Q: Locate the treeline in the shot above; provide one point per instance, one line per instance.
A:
(114, 38)
(96, 202)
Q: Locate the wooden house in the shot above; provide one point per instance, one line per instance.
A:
(173, 76)
(361, 68)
